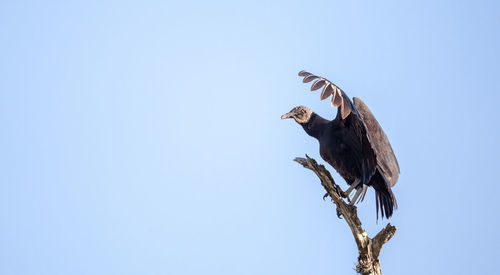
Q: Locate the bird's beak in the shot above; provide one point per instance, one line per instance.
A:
(288, 115)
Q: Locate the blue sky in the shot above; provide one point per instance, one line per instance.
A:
(145, 137)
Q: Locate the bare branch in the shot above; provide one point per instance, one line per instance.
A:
(382, 237)
(369, 249)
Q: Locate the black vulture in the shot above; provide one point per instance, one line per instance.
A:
(353, 143)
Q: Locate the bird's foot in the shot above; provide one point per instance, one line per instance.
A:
(345, 196)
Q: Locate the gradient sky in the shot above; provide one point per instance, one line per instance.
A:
(144, 137)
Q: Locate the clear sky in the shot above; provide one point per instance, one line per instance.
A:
(144, 137)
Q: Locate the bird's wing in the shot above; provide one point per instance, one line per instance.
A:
(352, 119)
(339, 98)
(386, 159)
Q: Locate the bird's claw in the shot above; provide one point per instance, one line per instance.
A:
(339, 214)
(325, 196)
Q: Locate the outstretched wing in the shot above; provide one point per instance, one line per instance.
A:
(352, 119)
(386, 159)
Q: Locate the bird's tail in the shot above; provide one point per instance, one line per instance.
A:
(385, 199)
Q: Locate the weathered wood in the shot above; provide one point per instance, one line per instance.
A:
(368, 248)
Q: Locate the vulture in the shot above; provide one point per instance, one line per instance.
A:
(353, 143)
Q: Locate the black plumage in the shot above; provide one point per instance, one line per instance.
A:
(353, 143)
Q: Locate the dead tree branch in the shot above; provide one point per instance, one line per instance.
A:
(368, 248)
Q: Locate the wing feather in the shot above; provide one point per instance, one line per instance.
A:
(318, 84)
(327, 91)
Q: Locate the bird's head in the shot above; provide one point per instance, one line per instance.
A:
(301, 114)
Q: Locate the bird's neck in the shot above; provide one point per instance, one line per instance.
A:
(315, 126)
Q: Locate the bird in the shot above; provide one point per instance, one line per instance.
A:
(353, 143)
